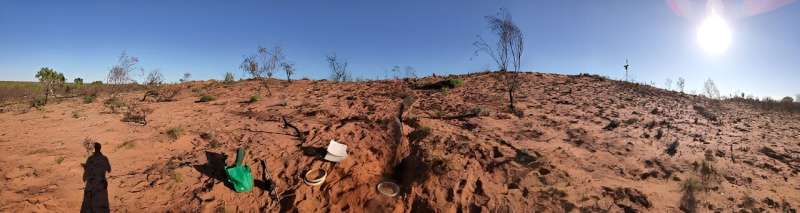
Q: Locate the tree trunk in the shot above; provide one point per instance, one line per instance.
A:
(266, 84)
(511, 100)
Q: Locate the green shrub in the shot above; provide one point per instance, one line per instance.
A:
(175, 133)
(50, 80)
(89, 98)
(453, 83)
(206, 98)
(419, 134)
(444, 84)
(412, 121)
(254, 98)
(39, 101)
(96, 83)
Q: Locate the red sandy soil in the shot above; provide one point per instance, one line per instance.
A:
(558, 155)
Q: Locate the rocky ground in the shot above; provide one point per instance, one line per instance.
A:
(576, 144)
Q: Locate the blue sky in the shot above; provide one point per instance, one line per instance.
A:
(209, 38)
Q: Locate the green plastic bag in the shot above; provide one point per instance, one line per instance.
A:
(239, 175)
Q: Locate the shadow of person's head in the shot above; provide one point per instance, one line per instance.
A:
(97, 148)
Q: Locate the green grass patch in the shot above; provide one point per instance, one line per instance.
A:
(254, 98)
(89, 99)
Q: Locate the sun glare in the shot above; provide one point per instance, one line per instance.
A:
(714, 35)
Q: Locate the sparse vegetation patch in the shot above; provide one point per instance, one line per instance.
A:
(175, 133)
(443, 84)
(206, 98)
(419, 134)
(89, 98)
(672, 148)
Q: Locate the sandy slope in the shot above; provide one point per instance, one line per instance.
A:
(560, 155)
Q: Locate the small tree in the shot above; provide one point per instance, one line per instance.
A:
(668, 84)
(338, 67)
(229, 78)
(120, 73)
(154, 78)
(78, 82)
(186, 77)
(711, 89)
(263, 65)
(506, 31)
(250, 66)
(396, 71)
(289, 69)
(787, 100)
(50, 80)
(681, 83)
(153, 81)
(508, 49)
(411, 72)
(272, 63)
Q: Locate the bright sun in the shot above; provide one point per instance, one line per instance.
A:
(713, 35)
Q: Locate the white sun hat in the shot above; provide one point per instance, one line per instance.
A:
(336, 151)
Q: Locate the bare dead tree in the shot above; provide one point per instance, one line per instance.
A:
(668, 84)
(711, 89)
(153, 82)
(289, 69)
(411, 72)
(250, 66)
(681, 83)
(121, 72)
(154, 78)
(503, 27)
(517, 47)
(508, 49)
(396, 71)
(338, 67)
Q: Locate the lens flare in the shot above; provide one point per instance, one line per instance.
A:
(714, 35)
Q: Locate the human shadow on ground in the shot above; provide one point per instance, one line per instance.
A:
(215, 167)
(95, 194)
(316, 152)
